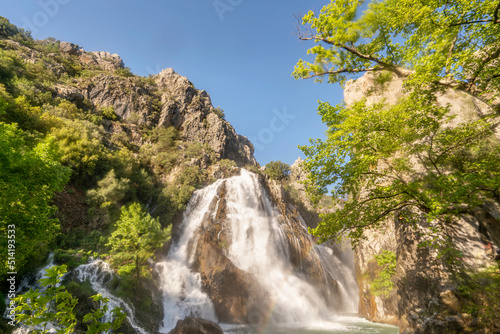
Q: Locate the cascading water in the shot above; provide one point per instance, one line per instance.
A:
(98, 273)
(181, 287)
(259, 244)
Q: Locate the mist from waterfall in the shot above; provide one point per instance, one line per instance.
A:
(258, 245)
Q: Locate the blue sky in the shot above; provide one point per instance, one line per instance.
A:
(242, 52)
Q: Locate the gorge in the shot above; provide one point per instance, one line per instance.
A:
(85, 139)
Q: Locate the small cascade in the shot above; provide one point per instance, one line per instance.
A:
(28, 282)
(99, 273)
(296, 281)
(343, 275)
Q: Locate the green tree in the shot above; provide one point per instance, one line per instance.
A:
(136, 238)
(434, 44)
(110, 190)
(80, 147)
(386, 260)
(277, 170)
(29, 177)
(53, 306)
(394, 159)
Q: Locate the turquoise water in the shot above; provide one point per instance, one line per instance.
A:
(342, 325)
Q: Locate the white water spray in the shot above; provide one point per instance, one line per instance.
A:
(181, 287)
(259, 246)
(98, 273)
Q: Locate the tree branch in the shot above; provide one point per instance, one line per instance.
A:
(400, 72)
(470, 22)
(344, 70)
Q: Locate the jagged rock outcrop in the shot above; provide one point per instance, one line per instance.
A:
(192, 112)
(169, 100)
(425, 299)
(129, 100)
(190, 325)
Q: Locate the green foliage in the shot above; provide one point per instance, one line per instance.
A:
(8, 30)
(165, 138)
(382, 159)
(227, 164)
(109, 113)
(136, 238)
(124, 72)
(448, 44)
(53, 305)
(363, 157)
(253, 168)
(384, 284)
(29, 177)
(80, 146)
(277, 170)
(110, 190)
(481, 295)
(219, 112)
(70, 258)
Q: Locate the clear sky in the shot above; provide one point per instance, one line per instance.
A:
(242, 52)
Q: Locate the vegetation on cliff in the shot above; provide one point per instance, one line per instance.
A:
(371, 149)
(417, 156)
(94, 159)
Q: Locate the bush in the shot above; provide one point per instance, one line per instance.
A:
(219, 112)
(109, 113)
(110, 190)
(124, 72)
(278, 170)
(253, 168)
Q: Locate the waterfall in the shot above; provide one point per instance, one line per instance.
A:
(259, 244)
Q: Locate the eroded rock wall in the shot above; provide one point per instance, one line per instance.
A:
(424, 299)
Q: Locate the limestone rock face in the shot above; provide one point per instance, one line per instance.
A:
(101, 59)
(68, 48)
(191, 111)
(191, 325)
(171, 101)
(127, 98)
(423, 294)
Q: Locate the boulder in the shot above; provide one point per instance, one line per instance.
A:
(68, 48)
(191, 325)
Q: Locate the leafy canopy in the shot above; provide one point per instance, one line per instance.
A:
(136, 238)
(385, 159)
(277, 170)
(29, 177)
(434, 42)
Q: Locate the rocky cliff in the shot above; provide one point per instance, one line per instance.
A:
(122, 137)
(163, 100)
(424, 299)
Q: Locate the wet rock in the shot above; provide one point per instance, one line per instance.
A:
(191, 325)
(236, 295)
